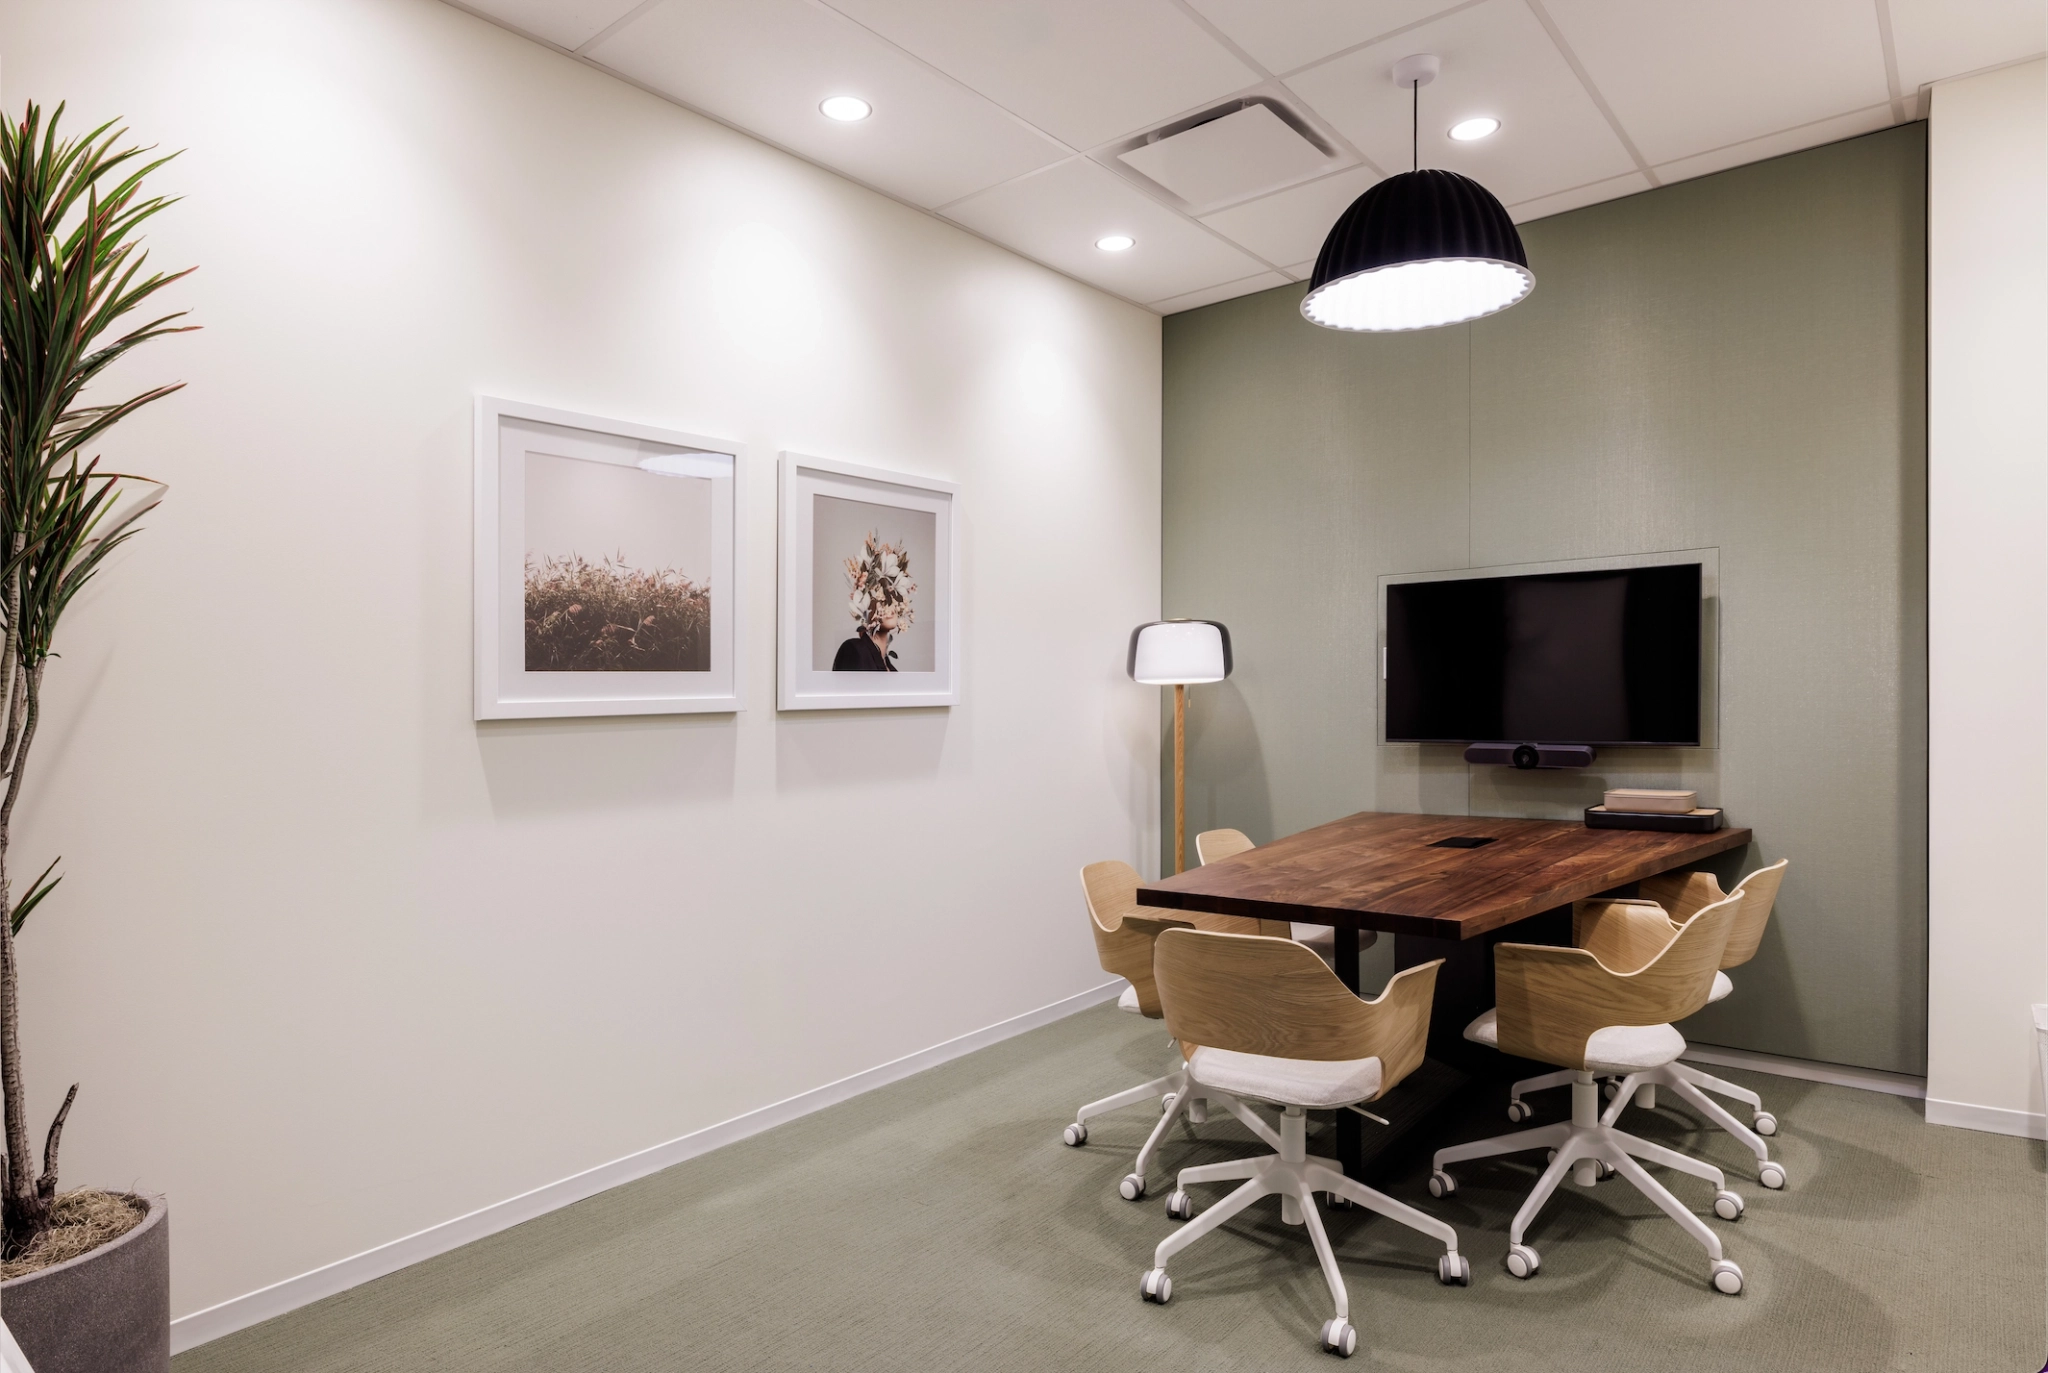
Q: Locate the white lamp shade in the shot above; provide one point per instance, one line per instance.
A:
(1179, 652)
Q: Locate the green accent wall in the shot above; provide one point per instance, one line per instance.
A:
(1733, 363)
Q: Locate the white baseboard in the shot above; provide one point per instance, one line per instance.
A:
(1996, 1120)
(1833, 1074)
(252, 1308)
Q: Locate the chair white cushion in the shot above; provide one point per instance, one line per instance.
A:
(1321, 940)
(1287, 1081)
(1722, 986)
(1615, 1050)
(1129, 1000)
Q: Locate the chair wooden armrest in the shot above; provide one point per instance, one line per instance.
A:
(1258, 995)
(1395, 1026)
(1549, 1001)
(1683, 895)
(1623, 934)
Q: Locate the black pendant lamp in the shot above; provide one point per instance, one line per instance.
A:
(1420, 249)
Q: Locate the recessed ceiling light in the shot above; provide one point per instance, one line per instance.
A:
(846, 108)
(1468, 130)
(1115, 243)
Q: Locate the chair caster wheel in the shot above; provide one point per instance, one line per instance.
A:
(1764, 1123)
(1179, 1205)
(1442, 1184)
(1156, 1287)
(1168, 1102)
(1340, 1337)
(1454, 1270)
(1132, 1187)
(1771, 1176)
(1610, 1089)
(1518, 1112)
(1727, 1205)
(1727, 1277)
(1522, 1261)
(1550, 1155)
(1075, 1135)
(1337, 1201)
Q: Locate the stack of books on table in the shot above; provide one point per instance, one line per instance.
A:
(1640, 808)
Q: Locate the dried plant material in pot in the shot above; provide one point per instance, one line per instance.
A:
(80, 1222)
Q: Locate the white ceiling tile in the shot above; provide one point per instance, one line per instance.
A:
(1778, 144)
(1285, 34)
(1497, 61)
(1085, 71)
(1229, 290)
(765, 64)
(565, 23)
(1614, 188)
(1292, 224)
(1056, 215)
(1302, 271)
(1684, 77)
(1937, 39)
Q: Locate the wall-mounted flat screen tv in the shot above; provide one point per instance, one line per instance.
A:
(1609, 657)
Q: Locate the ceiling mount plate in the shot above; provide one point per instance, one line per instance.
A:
(1418, 70)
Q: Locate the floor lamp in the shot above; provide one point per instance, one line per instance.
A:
(1179, 654)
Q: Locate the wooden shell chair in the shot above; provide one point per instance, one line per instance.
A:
(1623, 942)
(1124, 932)
(1213, 846)
(1275, 1025)
(1571, 1008)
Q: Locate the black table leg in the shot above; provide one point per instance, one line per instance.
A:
(1464, 984)
(1350, 1126)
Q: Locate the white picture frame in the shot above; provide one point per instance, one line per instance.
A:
(526, 452)
(816, 497)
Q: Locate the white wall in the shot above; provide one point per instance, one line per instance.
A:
(334, 963)
(1987, 459)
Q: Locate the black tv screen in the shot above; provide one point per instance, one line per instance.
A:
(1608, 657)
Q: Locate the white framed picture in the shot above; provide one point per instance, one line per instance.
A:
(869, 595)
(607, 567)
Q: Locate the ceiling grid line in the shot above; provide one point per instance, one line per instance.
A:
(1598, 100)
(1571, 58)
(629, 17)
(1224, 40)
(1344, 52)
(1891, 60)
(939, 72)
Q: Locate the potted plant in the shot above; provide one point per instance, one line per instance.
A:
(94, 1267)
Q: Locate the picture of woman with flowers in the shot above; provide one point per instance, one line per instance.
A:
(879, 549)
(879, 589)
(872, 577)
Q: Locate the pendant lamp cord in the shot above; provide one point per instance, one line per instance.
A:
(1415, 127)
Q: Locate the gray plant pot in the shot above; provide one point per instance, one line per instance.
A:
(108, 1311)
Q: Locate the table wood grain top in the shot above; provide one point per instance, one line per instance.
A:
(1379, 871)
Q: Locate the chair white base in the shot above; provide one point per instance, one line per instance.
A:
(1295, 1178)
(1691, 1086)
(1582, 1145)
(1176, 1102)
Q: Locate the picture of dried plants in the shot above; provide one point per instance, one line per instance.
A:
(617, 568)
(606, 617)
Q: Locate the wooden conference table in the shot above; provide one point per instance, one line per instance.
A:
(1445, 886)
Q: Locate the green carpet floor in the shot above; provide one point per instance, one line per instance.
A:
(940, 1225)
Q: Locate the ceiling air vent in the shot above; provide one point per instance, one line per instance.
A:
(1244, 149)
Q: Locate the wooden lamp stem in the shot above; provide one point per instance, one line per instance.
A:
(1180, 786)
